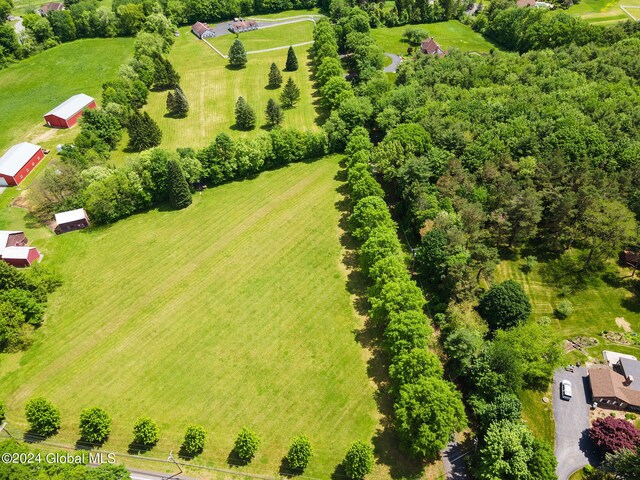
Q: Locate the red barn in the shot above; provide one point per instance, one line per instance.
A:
(19, 160)
(68, 112)
(20, 256)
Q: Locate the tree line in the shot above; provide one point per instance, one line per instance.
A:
(23, 301)
(427, 408)
(95, 424)
(530, 156)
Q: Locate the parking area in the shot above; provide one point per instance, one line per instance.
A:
(573, 446)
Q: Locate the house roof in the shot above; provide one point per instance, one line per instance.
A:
(15, 158)
(17, 253)
(71, 106)
(430, 46)
(70, 216)
(526, 3)
(50, 7)
(199, 28)
(244, 24)
(607, 383)
(4, 237)
(614, 357)
(631, 368)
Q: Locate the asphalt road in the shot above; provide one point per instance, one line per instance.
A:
(395, 61)
(453, 462)
(573, 446)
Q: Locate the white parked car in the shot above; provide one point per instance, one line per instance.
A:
(565, 389)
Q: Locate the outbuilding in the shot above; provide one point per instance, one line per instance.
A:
(50, 7)
(20, 256)
(202, 30)
(18, 161)
(72, 220)
(68, 112)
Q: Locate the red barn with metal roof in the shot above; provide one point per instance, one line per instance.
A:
(18, 161)
(68, 112)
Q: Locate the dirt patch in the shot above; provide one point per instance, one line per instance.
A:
(623, 324)
(20, 202)
(617, 337)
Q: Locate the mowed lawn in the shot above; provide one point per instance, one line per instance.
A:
(32, 87)
(595, 308)
(451, 34)
(270, 37)
(213, 89)
(231, 312)
(606, 11)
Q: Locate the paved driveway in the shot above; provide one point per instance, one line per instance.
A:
(573, 446)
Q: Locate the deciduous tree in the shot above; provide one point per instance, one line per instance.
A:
(43, 417)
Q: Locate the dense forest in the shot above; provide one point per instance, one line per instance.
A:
(532, 155)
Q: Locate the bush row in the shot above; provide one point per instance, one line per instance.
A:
(95, 427)
(428, 409)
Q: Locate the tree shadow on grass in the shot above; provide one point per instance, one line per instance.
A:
(184, 455)
(385, 440)
(285, 469)
(138, 449)
(85, 445)
(33, 437)
(233, 460)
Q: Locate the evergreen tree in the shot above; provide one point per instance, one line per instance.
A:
(173, 78)
(290, 94)
(245, 116)
(177, 186)
(160, 77)
(292, 61)
(165, 75)
(144, 133)
(237, 55)
(274, 113)
(171, 103)
(181, 104)
(275, 79)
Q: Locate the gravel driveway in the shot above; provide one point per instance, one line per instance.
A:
(573, 446)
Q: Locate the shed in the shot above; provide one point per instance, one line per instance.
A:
(18, 161)
(50, 7)
(12, 238)
(202, 30)
(71, 220)
(20, 256)
(431, 47)
(68, 112)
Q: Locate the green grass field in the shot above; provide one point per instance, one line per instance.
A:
(231, 312)
(606, 11)
(212, 90)
(270, 37)
(32, 87)
(596, 307)
(595, 310)
(451, 34)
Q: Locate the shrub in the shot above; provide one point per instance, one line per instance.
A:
(530, 263)
(246, 444)
(194, 440)
(43, 417)
(145, 432)
(95, 425)
(611, 434)
(299, 453)
(359, 460)
(564, 309)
